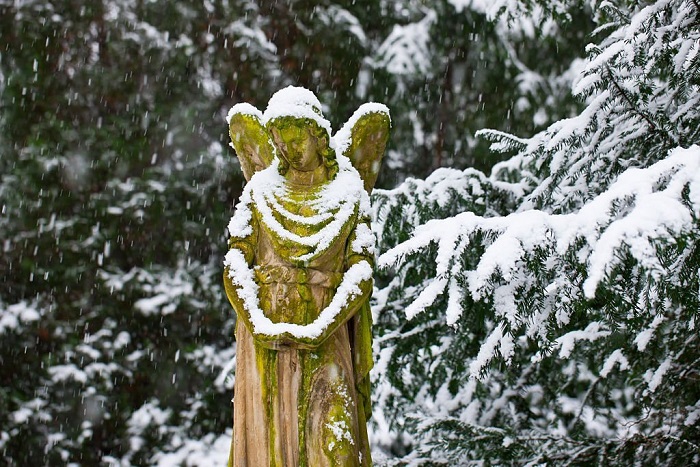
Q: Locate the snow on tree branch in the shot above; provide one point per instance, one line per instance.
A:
(629, 106)
(643, 207)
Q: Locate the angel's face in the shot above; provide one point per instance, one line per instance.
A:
(297, 145)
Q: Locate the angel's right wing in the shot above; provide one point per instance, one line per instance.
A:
(250, 139)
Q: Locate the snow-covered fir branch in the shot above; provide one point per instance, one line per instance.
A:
(551, 307)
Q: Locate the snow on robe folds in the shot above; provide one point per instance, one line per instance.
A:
(336, 201)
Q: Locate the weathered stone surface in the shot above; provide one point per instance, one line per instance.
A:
(302, 385)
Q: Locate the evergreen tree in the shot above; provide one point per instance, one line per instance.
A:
(552, 305)
(449, 68)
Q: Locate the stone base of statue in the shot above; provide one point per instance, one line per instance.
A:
(299, 276)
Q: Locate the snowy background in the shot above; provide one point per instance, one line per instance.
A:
(538, 285)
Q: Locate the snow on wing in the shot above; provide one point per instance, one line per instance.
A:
(250, 139)
(363, 140)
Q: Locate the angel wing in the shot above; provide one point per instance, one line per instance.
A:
(363, 140)
(250, 139)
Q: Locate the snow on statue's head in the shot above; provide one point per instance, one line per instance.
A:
(298, 109)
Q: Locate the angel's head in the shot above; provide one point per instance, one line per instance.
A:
(302, 145)
(300, 132)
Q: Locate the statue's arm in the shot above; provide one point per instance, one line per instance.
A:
(244, 245)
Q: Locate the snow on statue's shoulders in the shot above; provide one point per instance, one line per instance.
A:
(346, 186)
(348, 183)
(267, 180)
(340, 199)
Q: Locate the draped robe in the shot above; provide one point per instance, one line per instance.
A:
(295, 404)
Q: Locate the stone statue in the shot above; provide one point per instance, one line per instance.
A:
(298, 273)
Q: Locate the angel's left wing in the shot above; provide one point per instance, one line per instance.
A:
(363, 140)
(250, 139)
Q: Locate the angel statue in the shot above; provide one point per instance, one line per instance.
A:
(298, 274)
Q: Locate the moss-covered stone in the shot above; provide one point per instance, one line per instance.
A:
(249, 137)
(369, 137)
(301, 400)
